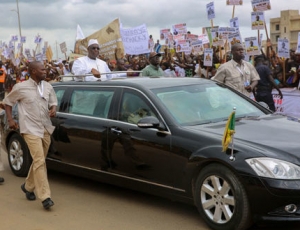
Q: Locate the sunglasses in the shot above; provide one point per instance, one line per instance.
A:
(95, 48)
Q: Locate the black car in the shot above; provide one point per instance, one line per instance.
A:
(164, 136)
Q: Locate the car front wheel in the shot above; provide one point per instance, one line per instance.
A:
(221, 199)
(18, 155)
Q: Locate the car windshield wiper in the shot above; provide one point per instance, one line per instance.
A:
(253, 117)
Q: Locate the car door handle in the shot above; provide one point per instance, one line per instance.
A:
(116, 131)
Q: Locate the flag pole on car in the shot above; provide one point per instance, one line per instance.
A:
(229, 134)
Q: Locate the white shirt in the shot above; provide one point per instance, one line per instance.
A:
(84, 65)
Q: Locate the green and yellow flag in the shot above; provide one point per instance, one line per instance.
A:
(229, 131)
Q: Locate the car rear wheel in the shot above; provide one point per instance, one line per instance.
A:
(221, 199)
(18, 155)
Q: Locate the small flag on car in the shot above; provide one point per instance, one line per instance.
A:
(229, 131)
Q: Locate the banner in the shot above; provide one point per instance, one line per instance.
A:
(109, 38)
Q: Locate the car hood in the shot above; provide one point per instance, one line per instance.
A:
(272, 135)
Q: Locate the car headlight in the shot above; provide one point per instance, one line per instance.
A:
(274, 168)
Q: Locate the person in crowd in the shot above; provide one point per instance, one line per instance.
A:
(134, 69)
(157, 46)
(112, 64)
(237, 73)
(293, 74)
(153, 69)
(67, 70)
(266, 83)
(90, 64)
(168, 72)
(2, 80)
(24, 73)
(36, 104)
(278, 79)
(151, 44)
(120, 66)
(60, 68)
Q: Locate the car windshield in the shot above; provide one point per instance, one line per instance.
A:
(204, 103)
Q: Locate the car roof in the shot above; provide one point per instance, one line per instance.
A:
(147, 82)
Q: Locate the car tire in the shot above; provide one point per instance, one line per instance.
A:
(19, 157)
(221, 199)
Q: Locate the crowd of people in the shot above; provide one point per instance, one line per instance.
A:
(267, 72)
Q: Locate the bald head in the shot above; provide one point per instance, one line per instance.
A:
(37, 71)
(34, 65)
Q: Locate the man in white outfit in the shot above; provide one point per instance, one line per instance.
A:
(91, 64)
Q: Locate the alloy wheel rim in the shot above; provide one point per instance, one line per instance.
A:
(16, 155)
(217, 198)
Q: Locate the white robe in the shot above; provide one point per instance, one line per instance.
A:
(84, 65)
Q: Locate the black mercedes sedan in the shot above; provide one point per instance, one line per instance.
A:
(164, 136)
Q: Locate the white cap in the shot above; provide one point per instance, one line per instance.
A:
(92, 42)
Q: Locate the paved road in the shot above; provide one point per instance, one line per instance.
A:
(88, 205)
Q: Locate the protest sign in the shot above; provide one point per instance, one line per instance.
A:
(39, 57)
(179, 29)
(234, 2)
(135, 40)
(261, 5)
(204, 38)
(252, 47)
(283, 46)
(164, 33)
(257, 21)
(234, 22)
(225, 31)
(182, 46)
(234, 38)
(197, 47)
(23, 39)
(210, 9)
(216, 41)
(63, 47)
(37, 39)
(298, 44)
(208, 57)
(14, 38)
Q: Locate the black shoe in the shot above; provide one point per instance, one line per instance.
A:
(47, 203)
(1, 179)
(29, 195)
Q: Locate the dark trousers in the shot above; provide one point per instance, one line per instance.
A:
(267, 97)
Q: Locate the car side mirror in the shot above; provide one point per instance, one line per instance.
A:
(148, 122)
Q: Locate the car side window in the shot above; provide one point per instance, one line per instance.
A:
(59, 95)
(95, 103)
(134, 107)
